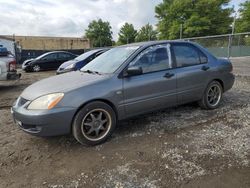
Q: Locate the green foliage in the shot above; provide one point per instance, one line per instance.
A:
(243, 22)
(99, 33)
(127, 34)
(146, 33)
(197, 18)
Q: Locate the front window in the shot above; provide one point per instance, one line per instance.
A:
(110, 61)
(154, 58)
(41, 56)
(86, 55)
(50, 57)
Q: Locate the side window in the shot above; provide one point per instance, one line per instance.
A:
(186, 55)
(153, 59)
(51, 57)
(203, 58)
(90, 58)
(96, 55)
(64, 56)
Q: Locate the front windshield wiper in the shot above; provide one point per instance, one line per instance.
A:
(90, 72)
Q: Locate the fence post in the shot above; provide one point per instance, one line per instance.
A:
(231, 37)
(229, 46)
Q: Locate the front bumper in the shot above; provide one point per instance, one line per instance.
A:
(44, 123)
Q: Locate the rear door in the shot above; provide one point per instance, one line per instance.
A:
(156, 87)
(192, 72)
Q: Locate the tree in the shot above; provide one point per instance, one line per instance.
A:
(99, 33)
(146, 33)
(127, 34)
(191, 18)
(243, 22)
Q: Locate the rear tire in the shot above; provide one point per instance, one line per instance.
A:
(212, 96)
(94, 123)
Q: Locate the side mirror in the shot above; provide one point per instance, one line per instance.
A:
(133, 71)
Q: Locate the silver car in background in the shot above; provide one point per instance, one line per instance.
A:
(8, 73)
(125, 81)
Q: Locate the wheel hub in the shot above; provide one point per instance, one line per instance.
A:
(96, 124)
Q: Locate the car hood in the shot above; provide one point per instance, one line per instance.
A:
(27, 61)
(61, 83)
(67, 63)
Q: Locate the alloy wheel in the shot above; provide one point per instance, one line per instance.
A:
(36, 68)
(96, 124)
(214, 95)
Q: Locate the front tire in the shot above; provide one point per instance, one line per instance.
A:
(36, 68)
(212, 97)
(94, 123)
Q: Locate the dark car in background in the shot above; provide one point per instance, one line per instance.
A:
(80, 61)
(47, 61)
(123, 82)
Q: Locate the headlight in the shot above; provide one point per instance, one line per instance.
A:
(46, 102)
(70, 66)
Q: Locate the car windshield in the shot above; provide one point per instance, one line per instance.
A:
(86, 55)
(41, 56)
(110, 61)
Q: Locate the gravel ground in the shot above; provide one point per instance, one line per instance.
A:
(183, 146)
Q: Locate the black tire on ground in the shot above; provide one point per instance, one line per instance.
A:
(93, 119)
(212, 96)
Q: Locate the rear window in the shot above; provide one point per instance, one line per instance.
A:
(64, 56)
(4, 52)
(186, 55)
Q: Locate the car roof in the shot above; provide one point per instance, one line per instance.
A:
(47, 53)
(100, 49)
(96, 50)
(149, 43)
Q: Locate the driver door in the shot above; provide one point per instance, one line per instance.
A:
(49, 61)
(156, 87)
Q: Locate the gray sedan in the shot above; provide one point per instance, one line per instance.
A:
(125, 81)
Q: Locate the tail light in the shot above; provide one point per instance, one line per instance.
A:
(12, 66)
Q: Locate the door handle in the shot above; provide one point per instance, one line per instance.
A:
(168, 75)
(205, 68)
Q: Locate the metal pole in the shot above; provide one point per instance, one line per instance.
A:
(229, 46)
(149, 34)
(233, 26)
(231, 37)
(181, 30)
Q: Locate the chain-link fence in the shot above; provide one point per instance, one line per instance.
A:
(236, 45)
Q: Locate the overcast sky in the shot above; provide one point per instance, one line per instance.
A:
(71, 17)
